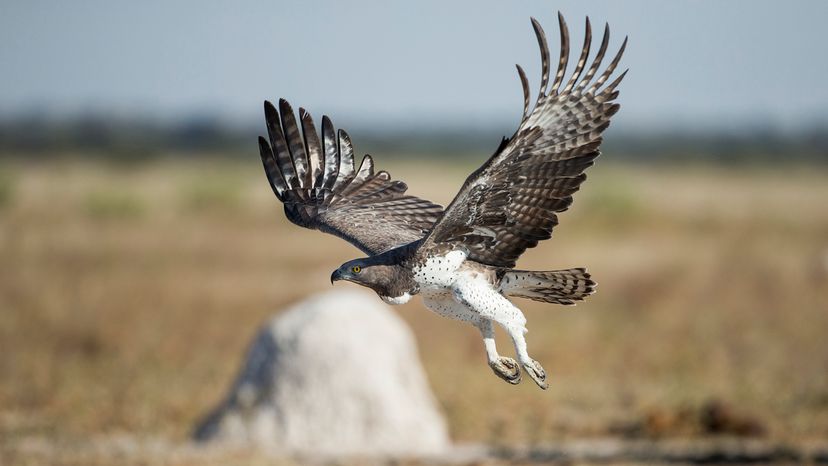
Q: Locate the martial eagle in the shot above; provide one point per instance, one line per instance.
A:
(461, 258)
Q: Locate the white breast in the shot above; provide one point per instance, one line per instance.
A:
(440, 271)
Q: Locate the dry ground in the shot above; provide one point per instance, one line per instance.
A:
(129, 292)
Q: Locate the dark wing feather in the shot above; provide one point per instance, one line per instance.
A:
(511, 202)
(321, 189)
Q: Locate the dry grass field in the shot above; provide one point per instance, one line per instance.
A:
(128, 294)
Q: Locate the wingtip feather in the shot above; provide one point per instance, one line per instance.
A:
(544, 49)
(284, 106)
(270, 111)
(524, 83)
(563, 60)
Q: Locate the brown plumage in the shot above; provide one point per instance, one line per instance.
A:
(321, 189)
(460, 259)
(512, 201)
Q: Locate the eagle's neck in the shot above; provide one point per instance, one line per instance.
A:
(390, 275)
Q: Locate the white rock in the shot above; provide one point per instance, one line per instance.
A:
(337, 374)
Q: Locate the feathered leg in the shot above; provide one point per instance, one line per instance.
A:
(443, 302)
(503, 367)
(533, 368)
(479, 295)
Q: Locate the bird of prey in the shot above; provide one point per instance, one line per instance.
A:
(461, 259)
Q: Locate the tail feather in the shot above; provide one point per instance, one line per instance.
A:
(555, 286)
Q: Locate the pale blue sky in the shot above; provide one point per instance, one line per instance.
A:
(701, 63)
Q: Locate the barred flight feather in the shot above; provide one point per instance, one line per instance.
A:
(517, 193)
(320, 187)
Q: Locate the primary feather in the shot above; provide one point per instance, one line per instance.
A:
(511, 202)
(321, 189)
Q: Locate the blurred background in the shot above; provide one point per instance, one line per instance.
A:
(141, 246)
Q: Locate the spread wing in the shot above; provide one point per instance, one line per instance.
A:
(512, 201)
(321, 189)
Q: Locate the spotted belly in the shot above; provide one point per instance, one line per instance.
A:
(442, 302)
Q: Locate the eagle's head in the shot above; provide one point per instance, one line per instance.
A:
(391, 282)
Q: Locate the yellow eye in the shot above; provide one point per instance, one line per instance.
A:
(356, 269)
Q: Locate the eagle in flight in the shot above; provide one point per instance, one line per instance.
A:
(461, 259)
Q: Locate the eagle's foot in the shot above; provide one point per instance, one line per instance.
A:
(507, 369)
(535, 370)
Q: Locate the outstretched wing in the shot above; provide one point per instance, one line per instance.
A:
(321, 188)
(511, 202)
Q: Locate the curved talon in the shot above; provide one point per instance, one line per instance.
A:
(536, 372)
(507, 369)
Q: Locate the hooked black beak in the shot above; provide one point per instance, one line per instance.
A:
(336, 275)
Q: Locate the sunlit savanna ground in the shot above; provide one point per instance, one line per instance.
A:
(128, 294)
